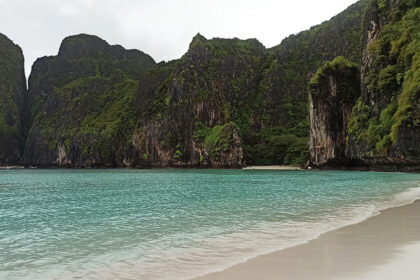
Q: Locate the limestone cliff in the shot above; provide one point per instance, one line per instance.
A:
(280, 134)
(260, 92)
(227, 102)
(384, 128)
(333, 92)
(192, 118)
(12, 102)
(82, 104)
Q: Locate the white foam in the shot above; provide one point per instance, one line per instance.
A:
(408, 196)
(364, 212)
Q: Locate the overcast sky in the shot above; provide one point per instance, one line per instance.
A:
(161, 28)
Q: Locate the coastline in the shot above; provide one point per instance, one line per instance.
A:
(272, 167)
(360, 168)
(408, 169)
(254, 167)
(11, 167)
(365, 250)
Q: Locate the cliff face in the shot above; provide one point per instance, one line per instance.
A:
(282, 131)
(82, 104)
(226, 102)
(12, 102)
(260, 94)
(193, 116)
(384, 129)
(332, 94)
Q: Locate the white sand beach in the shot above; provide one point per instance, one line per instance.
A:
(272, 167)
(384, 247)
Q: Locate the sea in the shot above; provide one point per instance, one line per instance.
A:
(170, 224)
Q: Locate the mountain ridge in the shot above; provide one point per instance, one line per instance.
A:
(225, 103)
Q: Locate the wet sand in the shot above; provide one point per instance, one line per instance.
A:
(384, 247)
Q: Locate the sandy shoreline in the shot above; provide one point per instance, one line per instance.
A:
(383, 247)
(11, 167)
(272, 167)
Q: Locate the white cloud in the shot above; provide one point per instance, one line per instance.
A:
(161, 28)
(69, 10)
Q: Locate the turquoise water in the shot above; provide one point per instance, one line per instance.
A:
(174, 224)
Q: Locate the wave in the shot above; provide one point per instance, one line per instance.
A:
(365, 212)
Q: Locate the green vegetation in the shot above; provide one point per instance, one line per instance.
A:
(337, 65)
(104, 104)
(219, 75)
(393, 82)
(102, 116)
(357, 125)
(90, 105)
(201, 132)
(283, 135)
(220, 138)
(226, 76)
(263, 92)
(178, 154)
(12, 92)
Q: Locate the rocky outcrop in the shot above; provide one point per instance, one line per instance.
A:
(281, 134)
(224, 103)
(222, 149)
(333, 91)
(12, 102)
(261, 92)
(383, 128)
(384, 124)
(191, 119)
(231, 102)
(83, 104)
(372, 25)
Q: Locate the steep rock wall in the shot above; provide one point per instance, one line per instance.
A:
(384, 128)
(12, 102)
(332, 93)
(200, 102)
(225, 103)
(82, 104)
(263, 92)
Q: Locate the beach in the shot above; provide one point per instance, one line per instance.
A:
(386, 246)
(272, 167)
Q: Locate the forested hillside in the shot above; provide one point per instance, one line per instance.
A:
(225, 102)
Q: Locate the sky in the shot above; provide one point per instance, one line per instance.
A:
(160, 28)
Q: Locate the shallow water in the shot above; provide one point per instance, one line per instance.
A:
(174, 224)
